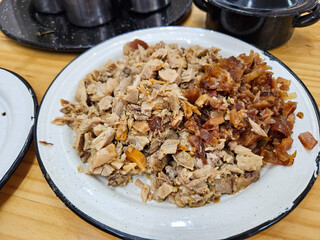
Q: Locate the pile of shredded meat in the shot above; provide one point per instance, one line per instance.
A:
(197, 124)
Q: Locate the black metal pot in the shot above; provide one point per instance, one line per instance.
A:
(264, 23)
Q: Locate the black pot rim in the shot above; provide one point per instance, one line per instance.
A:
(302, 7)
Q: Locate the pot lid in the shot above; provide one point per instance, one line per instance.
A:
(266, 7)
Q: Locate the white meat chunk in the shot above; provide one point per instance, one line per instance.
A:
(213, 158)
(164, 190)
(183, 137)
(169, 75)
(107, 170)
(188, 75)
(104, 138)
(97, 90)
(87, 140)
(137, 112)
(169, 146)
(81, 94)
(128, 167)
(98, 129)
(184, 159)
(146, 108)
(247, 160)
(159, 103)
(173, 60)
(138, 142)
(124, 83)
(205, 173)
(104, 155)
(145, 192)
(109, 68)
(141, 126)
(111, 85)
(132, 95)
(111, 119)
(87, 124)
(176, 120)
(160, 53)
(232, 145)
(94, 171)
(105, 103)
(232, 168)
(174, 103)
(226, 157)
(138, 183)
(136, 81)
(117, 164)
(118, 105)
(223, 185)
(155, 163)
(142, 53)
(79, 142)
(257, 129)
(150, 68)
(63, 120)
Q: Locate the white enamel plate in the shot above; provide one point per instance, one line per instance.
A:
(120, 211)
(18, 104)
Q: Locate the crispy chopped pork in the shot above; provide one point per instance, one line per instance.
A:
(203, 125)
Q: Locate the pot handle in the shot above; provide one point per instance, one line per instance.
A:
(309, 19)
(202, 4)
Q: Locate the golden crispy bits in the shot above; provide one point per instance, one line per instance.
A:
(307, 140)
(137, 157)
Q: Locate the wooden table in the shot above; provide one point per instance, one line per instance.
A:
(30, 210)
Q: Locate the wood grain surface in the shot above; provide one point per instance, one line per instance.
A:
(29, 209)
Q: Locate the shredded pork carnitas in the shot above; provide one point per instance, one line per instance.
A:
(201, 125)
